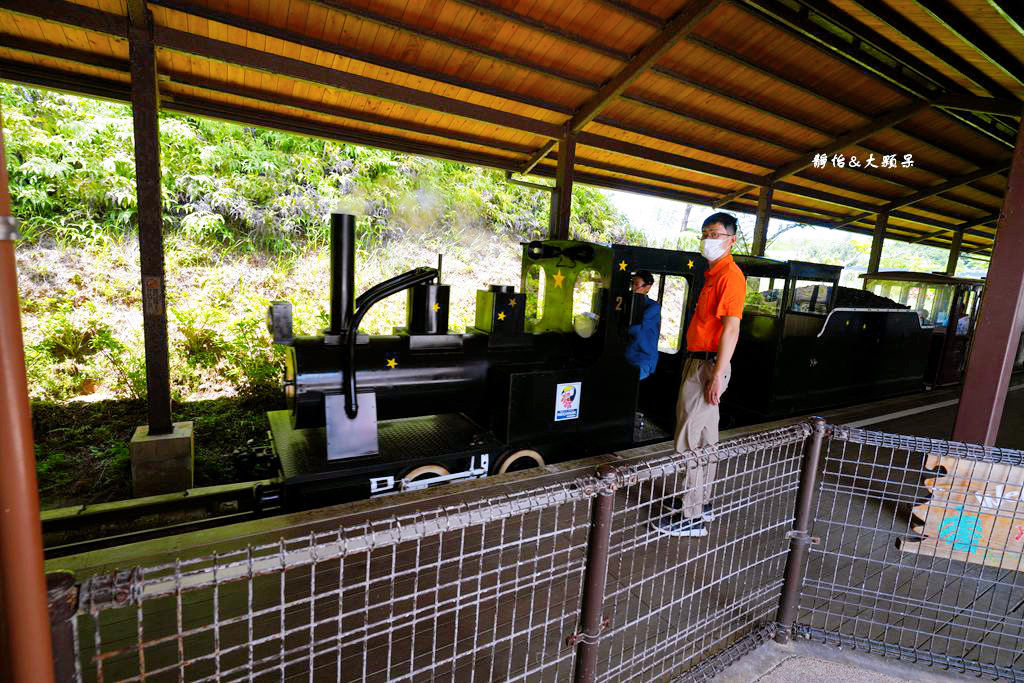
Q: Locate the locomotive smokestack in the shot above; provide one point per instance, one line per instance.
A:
(343, 274)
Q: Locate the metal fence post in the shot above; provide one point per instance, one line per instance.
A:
(62, 593)
(595, 573)
(796, 562)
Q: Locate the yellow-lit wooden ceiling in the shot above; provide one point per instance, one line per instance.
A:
(697, 100)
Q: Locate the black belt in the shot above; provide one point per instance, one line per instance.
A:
(704, 355)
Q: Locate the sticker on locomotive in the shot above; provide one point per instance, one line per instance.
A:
(567, 401)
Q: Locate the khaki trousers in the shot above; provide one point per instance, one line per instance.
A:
(697, 426)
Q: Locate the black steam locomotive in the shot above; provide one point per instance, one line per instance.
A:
(542, 377)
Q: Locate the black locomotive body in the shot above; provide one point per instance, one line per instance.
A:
(542, 376)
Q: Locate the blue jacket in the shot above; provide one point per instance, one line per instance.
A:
(643, 338)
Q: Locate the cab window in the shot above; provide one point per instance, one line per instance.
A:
(764, 296)
(672, 293)
(810, 296)
(586, 302)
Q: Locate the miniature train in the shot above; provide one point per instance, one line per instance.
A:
(542, 376)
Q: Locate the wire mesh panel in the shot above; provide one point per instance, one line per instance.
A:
(485, 591)
(536, 584)
(920, 552)
(673, 602)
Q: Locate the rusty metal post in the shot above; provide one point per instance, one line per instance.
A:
(561, 197)
(145, 107)
(592, 619)
(800, 538)
(997, 332)
(878, 241)
(27, 653)
(764, 210)
(63, 598)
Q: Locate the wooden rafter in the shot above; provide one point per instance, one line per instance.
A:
(676, 28)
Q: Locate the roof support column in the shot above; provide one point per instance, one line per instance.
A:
(998, 329)
(878, 241)
(25, 651)
(561, 197)
(764, 209)
(954, 252)
(145, 106)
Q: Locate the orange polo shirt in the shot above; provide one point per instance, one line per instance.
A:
(724, 294)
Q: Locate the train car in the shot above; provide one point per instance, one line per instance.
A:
(808, 344)
(541, 377)
(947, 307)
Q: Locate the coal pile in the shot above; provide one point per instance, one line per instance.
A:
(848, 297)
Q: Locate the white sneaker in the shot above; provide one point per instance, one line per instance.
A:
(677, 526)
(674, 505)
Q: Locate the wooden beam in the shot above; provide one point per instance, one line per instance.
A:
(960, 25)
(764, 208)
(70, 14)
(366, 14)
(634, 12)
(1011, 11)
(913, 32)
(954, 253)
(878, 242)
(561, 197)
(345, 50)
(861, 52)
(54, 9)
(936, 189)
(230, 53)
(783, 78)
(986, 105)
(145, 109)
(840, 143)
(681, 24)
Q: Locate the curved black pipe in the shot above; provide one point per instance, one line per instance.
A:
(363, 304)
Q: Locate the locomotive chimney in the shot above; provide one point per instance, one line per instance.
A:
(343, 273)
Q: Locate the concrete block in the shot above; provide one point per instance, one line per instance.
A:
(164, 463)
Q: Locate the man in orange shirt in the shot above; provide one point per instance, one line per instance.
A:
(710, 341)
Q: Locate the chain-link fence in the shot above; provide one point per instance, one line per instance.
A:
(919, 552)
(540, 582)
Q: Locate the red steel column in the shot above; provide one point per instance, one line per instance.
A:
(997, 332)
(27, 655)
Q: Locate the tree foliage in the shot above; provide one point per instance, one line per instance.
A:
(72, 177)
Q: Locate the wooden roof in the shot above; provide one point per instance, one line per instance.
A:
(699, 100)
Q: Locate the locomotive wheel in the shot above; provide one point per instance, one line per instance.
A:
(425, 472)
(519, 460)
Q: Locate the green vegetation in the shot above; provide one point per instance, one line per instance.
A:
(246, 214)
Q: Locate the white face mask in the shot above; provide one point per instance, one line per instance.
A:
(713, 249)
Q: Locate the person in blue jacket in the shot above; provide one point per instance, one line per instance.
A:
(642, 350)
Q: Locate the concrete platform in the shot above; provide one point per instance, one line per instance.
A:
(798, 662)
